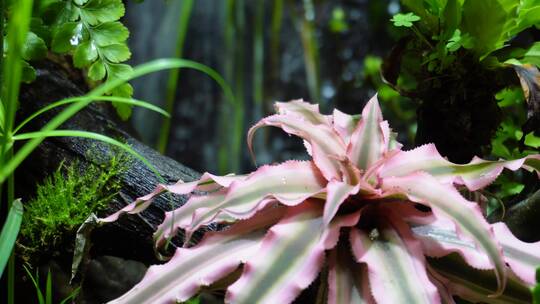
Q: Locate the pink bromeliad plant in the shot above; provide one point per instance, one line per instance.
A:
(362, 213)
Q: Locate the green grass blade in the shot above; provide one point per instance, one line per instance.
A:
(72, 295)
(9, 233)
(115, 99)
(85, 134)
(48, 289)
(41, 299)
(143, 69)
(172, 82)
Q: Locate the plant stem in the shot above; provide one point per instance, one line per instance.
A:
(172, 82)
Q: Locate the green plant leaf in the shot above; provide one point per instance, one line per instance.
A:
(48, 288)
(116, 52)
(485, 21)
(110, 33)
(405, 20)
(35, 281)
(97, 71)
(85, 54)
(9, 233)
(67, 36)
(100, 11)
(28, 73)
(34, 47)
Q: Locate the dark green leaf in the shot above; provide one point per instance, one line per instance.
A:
(60, 12)
(110, 33)
(40, 29)
(34, 47)
(68, 36)
(97, 71)
(85, 54)
(100, 11)
(116, 52)
(28, 73)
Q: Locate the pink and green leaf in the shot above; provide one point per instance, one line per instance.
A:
(344, 124)
(446, 201)
(289, 183)
(336, 193)
(208, 183)
(290, 257)
(475, 175)
(369, 140)
(396, 264)
(325, 144)
(347, 280)
(303, 110)
(523, 258)
(216, 256)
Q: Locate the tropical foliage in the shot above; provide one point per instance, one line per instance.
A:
(381, 224)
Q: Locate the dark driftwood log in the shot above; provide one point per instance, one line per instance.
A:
(131, 236)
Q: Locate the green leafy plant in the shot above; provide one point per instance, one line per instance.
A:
(65, 199)
(47, 299)
(89, 30)
(362, 209)
(452, 59)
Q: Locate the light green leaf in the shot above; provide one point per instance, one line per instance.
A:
(484, 21)
(405, 20)
(124, 90)
(9, 233)
(109, 33)
(34, 47)
(85, 54)
(509, 97)
(100, 11)
(116, 52)
(121, 71)
(97, 71)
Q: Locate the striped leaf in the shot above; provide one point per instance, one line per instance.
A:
(475, 175)
(337, 193)
(289, 183)
(344, 124)
(290, 257)
(216, 256)
(325, 144)
(396, 264)
(303, 110)
(523, 258)
(207, 183)
(445, 201)
(370, 139)
(347, 280)
(440, 238)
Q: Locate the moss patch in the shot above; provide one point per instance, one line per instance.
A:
(64, 200)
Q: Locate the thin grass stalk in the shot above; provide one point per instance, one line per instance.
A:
(229, 64)
(232, 119)
(16, 36)
(238, 131)
(305, 23)
(172, 82)
(311, 50)
(275, 35)
(259, 107)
